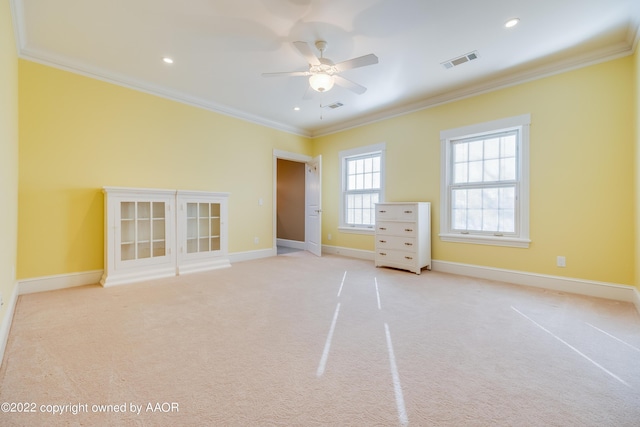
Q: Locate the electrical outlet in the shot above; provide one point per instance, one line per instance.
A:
(329, 236)
(256, 240)
(561, 261)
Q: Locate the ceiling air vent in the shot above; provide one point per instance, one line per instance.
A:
(334, 105)
(461, 60)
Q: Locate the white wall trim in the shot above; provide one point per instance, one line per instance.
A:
(636, 299)
(5, 328)
(348, 252)
(557, 283)
(59, 281)
(250, 255)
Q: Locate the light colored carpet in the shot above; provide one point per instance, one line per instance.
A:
(295, 341)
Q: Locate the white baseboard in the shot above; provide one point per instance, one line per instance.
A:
(59, 281)
(557, 283)
(5, 327)
(249, 255)
(295, 244)
(636, 299)
(348, 252)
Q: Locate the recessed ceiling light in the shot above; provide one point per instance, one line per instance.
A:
(296, 108)
(512, 22)
(167, 60)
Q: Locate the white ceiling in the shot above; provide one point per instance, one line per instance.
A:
(221, 48)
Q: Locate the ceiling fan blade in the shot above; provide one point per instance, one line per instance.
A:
(306, 51)
(288, 73)
(361, 61)
(355, 87)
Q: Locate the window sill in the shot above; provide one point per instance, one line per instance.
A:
(486, 240)
(357, 230)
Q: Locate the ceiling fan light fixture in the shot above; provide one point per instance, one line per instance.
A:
(321, 82)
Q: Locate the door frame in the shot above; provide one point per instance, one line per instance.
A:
(295, 157)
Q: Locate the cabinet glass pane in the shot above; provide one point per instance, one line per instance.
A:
(203, 244)
(127, 210)
(144, 230)
(215, 210)
(215, 243)
(203, 227)
(215, 227)
(192, 246)
(127, 231)
(158, 209)
(144, 250)
(158, 229)
(192, 210)
(127, 251)
(204, 210)
(192, 228)
(144, 210)
(159, 249)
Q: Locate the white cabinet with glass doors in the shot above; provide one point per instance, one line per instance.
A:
(139, 236)
(202, 231)
(153, 233)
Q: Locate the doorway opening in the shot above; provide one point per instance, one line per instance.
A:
(297, 212)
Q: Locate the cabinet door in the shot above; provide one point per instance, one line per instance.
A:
(203, 227)
(141, 228)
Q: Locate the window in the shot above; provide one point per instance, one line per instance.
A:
(362, 176)
(485, 183)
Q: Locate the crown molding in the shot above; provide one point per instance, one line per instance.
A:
(576, 62)
(66, 64)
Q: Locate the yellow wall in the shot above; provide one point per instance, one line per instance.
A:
(79, 134)
(582, 172)
(8, 155)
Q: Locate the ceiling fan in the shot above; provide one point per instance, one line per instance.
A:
(323, 73)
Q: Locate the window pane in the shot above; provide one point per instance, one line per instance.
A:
(459, 199)
(475, 172)
(460, 171)
(490, 198)
(507, 198)
(475, 150)
(376, 180)
(460, 219)
(474, 219)
(507, 221)
(508, 146)
(474, 198)
(460, 152)
(492, 170)
(508, 168)
(492, 148)
(368, 165)
(490, 220)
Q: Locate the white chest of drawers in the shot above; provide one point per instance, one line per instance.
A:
(403, 235)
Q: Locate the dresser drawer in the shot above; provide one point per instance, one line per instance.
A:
(398, 212)
(395, 258)
(396, 242)
(396, 228)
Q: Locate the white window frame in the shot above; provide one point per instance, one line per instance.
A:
(518, 239)
(344, 156)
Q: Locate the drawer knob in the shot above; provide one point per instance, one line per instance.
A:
(408, 257)
(382, 211)
(383, 254)
(408, 244)
(382, 241)
(383, 228)
(408, 229)
(407, 212)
